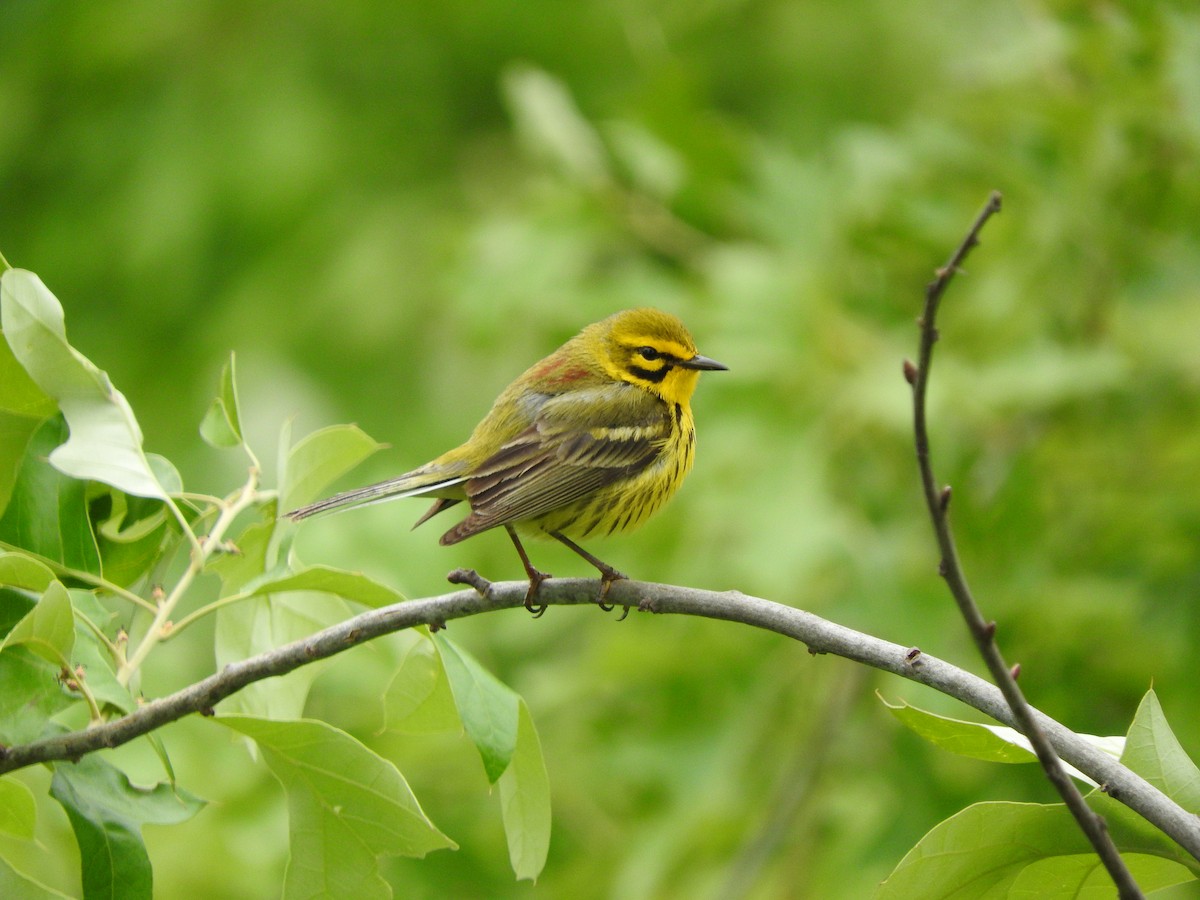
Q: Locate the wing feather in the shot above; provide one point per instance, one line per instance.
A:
(579, 443)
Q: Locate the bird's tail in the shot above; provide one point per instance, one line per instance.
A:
(418, 483)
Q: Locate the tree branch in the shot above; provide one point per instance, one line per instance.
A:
(950, 568)
(820, 635)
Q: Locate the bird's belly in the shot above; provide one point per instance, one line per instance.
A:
(625, 504)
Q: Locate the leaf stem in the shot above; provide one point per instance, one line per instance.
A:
(99, 634)
(93, 706)
(252, 456)
(190, 535)
(206, 610)
(97, 581)
(207, 499)
(201, 551)
(78, 685)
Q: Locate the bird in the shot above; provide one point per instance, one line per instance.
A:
(592, 440)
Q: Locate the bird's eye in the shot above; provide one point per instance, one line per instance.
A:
(648, 353)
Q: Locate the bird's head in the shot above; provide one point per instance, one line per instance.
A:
(651, 349)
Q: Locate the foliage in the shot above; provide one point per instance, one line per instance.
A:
(347, 805)
(1015, 849)
(389, 210)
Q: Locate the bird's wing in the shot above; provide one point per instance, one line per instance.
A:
(579, 442)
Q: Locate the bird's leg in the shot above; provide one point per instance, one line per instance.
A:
(607, 573)
(535, 577)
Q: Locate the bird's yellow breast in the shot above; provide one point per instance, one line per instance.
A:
(627, 503)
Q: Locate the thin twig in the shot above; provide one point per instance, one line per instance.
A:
(208, 609)
(230, 510)
(820, 635)
(984, 632)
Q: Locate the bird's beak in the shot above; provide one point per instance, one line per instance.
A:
(704, 363)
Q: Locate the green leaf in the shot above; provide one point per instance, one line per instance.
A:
(487, 707)
(93, 655)
(48, 629)
(319, 459)
(132, 538)
(653, 165)
(14, 884)
(258, 624)
(47, 514)
(15, 433)
(108, 786)
(106, 442)
(21, 571)
(31, 696)
(18, 810)
(970, 739)
(1084, 877)
(418, 698)
(236, 570)
(992, 743)
(353, 586)
(262, 622)
(23, 407)
(1153, 751)
(1133, 834)
(165, 472)
(525, 801)
(106, 813)
(347, 806)
(87, 605)
(222, 424)
(216, 429)
(19, 394)
(988, 849)
(14, 604)
(551, 125)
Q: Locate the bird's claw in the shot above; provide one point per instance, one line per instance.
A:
(535, 584)
(606, 580)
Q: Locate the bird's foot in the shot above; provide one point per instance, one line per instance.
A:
(535, 584)
(607, 573)
(607, 576)
(535, 577)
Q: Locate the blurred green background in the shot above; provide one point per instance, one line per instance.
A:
(389, 210)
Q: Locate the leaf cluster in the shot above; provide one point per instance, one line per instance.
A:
(108, 562)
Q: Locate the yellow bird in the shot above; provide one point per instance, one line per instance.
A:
(593, 439)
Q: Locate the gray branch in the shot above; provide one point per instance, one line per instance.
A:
(938, 501)
(820, 635)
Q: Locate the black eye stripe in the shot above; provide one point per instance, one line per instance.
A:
(654, 376)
